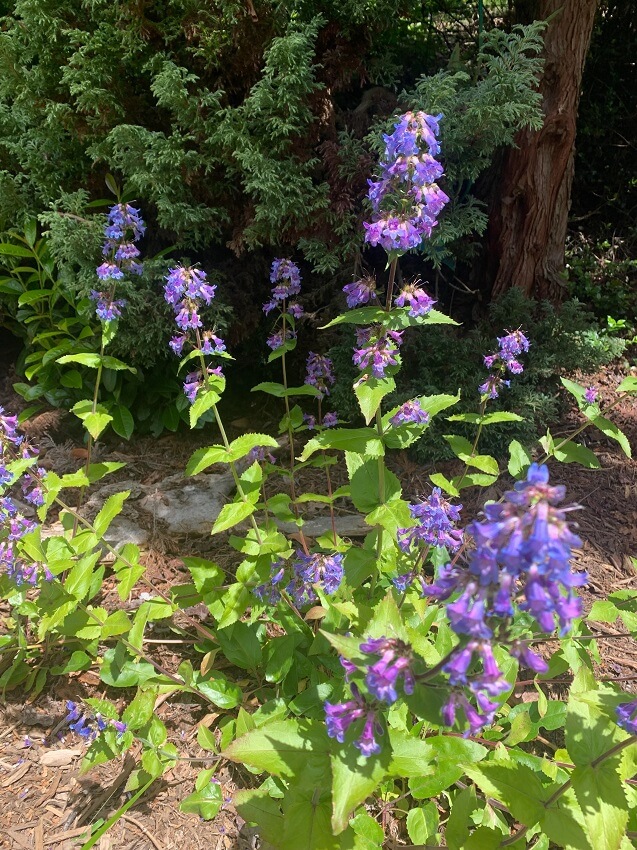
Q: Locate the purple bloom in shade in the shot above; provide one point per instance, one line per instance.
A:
(275, 340)
(476, 720)
(310, 421)
(410, 413)
(416, 298)
(436, 523)
(119, 726)
(124, 251)
(185, 286)
(188, 317)
(194, 380)
(295, 310)
(513, 344)
(376, 352)
(269, 306)
(367, 743)
(590, 396)
(330, 420)
(177, 344)
(395, 661)
(6, 477)
(320, 373)
(107, 309)
(260, 454)
(123, 217)
(286, 272)
(492, 386)
(212, 344)
(627, 716)
(269, 591)
(32, 487)
(360, 292)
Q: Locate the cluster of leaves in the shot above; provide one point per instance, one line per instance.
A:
(310, 791)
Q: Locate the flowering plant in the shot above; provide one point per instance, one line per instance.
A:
(381, 675)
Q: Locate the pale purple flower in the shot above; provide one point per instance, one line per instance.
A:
(590, 396)
(410, 413)
(419, 302)
(360, 292)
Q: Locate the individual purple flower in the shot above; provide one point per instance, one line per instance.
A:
(340, 716)
(320, 373)
(410, 413)
(376, 351)
(492, 386)
(32, 487)
(109, 271)
(419, 302)
(590, 396)
(295, 310)
(310, 421)
(627, 716)
(527, 657)
(212, 344)
(330, 420)
(403, 582)
(260, 454)
(269, 591)
(177, 344)
(194, 381)
(360, 292)
(395, 661)
(436, 518)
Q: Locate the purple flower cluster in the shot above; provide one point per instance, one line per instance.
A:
(627, 716)
(407, 200)
(286, 277)
(185, 289)
(376, 350)
(276, 340)
(503, 361)
(522, 560)
(124, 227)
(415, 297)
(88, 725)
(395, 661)
(340, 716)
(320, 373)
(195, 381)
(410, 413)
(360, 291)
(436, 518)
(260, 454)
(307, 571)
(590, 396)
(13, 524)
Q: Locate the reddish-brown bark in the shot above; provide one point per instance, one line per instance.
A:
(529, 216)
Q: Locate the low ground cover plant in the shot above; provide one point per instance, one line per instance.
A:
(377, 676)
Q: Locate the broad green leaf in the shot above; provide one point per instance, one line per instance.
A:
(206, 398)
(370, 393)
(440, 480)
(611, 430)
(232, 514)
(519, 459)
(463, 449)
(10, 250)
(422, 823)
(205, 803)
(112, 507)
(116, 623)
(628, 385)
(354, 779)
(85, 358)
(116, 365)
(409, 756)
(488, 418)
(240, 645)
(515, 786)
(368, 830)
(279, 391)
(569, 452)
(140, 710)
(122, 422)
(391, 516)
(246, 442)
(360, 316)
(364, 484)
(600, 793)
(284, 748)
(203, 458)
(359, 440)
(220, 691)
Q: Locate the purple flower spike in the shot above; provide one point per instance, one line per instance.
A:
(436, 524)
(320, 373)
(395, 661)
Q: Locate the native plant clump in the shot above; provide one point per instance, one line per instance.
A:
(376, 674)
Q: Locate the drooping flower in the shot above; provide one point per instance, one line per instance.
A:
(107, 309)
(330, 420)
(376, 350)
(309, 570)
(360, 291)
(340, 716)
(88, 724)
(320, 373)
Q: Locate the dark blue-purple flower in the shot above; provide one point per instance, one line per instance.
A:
(627, 716)
(436, 518)
(395, 662)
(410, 413)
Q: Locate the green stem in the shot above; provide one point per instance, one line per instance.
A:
(474, 447)
(390, 283)
(579, 430)
(381, 499)
(329, 479)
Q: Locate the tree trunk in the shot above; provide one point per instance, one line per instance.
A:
(529, 214)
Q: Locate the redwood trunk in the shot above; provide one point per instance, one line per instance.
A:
(529, 216)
